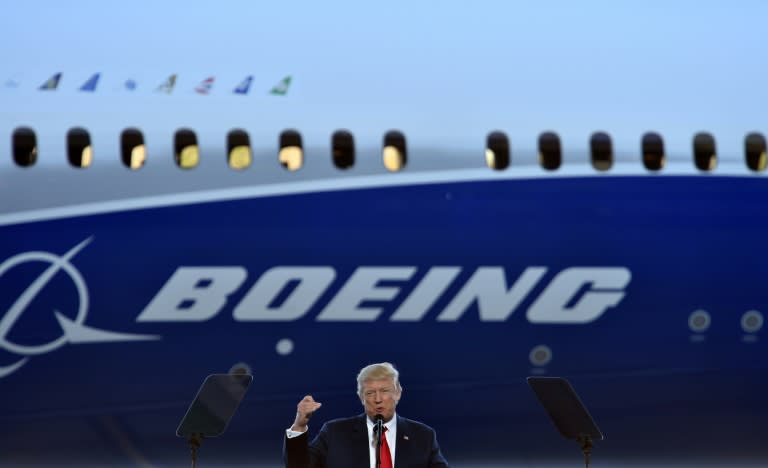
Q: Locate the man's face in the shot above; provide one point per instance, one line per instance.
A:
(380, 397)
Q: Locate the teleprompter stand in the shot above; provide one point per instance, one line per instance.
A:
(212, 408)
(567, 412)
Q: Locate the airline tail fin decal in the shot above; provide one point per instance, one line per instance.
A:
(90, 85)
(52, 83)
(205, 86)
(244, 85)
(281, 89)
(167, 86)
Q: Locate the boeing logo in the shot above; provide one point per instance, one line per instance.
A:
(575, 295)
(73, 331)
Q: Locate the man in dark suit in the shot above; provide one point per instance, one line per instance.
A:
(351, 442)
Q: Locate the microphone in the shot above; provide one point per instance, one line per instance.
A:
(378, 429)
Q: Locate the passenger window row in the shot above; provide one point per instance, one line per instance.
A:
(497, 153)
(394, 154)
(133, 151)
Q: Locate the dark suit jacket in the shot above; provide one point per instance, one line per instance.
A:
(343, 443)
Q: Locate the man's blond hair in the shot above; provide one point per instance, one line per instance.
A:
(378, 371)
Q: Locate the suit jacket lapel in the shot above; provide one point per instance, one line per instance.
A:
(402, 444)
(360, 442)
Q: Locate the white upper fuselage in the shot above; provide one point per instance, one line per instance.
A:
(444, 76)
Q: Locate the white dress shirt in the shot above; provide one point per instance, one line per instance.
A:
(390, 434)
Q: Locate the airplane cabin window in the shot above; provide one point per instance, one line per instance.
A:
(550, 153)
(186, 150)
(24, 146)
(394, 155)
(79, 150)
(343, 149)
(755, 152)
(497, 151)
(704, 153)
(291, 155)
(602, 151)
(653, 151)
(132, 149)
(239, 154)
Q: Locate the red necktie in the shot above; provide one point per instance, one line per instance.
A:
(386, 455)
